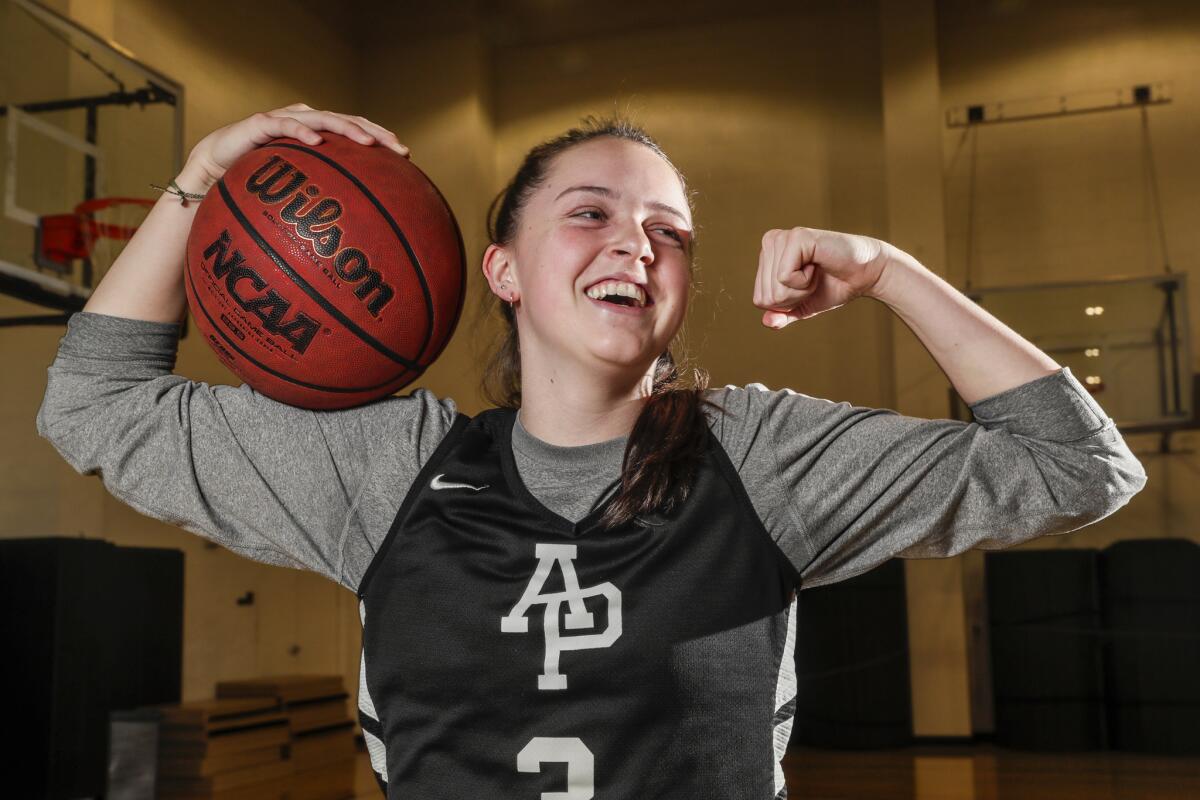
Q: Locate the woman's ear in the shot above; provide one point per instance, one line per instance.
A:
(501, 277)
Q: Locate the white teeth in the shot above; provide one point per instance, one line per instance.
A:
(621, 288)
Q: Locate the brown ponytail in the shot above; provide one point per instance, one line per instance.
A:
(670, 434)
(664, 448)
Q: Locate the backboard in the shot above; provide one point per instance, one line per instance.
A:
(81, 121)
(1127, 340)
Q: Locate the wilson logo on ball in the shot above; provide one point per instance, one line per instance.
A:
(282, 241)
(268, 306)
(315, 218)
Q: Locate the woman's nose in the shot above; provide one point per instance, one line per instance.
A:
(633, 241)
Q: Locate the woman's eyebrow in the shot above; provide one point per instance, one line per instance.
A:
(604, 191)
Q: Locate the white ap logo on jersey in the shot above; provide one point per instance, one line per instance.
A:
(577, 617)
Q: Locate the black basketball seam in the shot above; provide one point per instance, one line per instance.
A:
(462, 273)
(316, 296)
(216, 327)
(416, 262)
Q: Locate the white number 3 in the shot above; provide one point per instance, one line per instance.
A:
(581, 782)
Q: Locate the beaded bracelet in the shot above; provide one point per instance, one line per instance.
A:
(174, 189)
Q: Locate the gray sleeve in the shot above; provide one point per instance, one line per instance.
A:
(268, 481)
(844, 488)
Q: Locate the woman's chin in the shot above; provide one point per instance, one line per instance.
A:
(626, 361)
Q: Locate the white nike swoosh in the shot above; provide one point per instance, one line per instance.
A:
(438, 484)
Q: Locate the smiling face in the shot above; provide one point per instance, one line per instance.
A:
(600, 260)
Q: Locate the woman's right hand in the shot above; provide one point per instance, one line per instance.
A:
(217, 152)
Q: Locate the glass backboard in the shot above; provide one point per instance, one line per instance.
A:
(81, 121)
(1127, 340)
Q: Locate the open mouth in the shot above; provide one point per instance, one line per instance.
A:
(620, 293)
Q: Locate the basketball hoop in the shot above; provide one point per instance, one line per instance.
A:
(95, 232)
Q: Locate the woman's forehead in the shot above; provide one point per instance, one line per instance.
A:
(623, 168)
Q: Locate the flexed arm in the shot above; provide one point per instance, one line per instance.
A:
(803, 272)
(843, 488)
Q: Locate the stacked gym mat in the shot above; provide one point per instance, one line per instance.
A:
(852, 663)
(1097, 649)
(88, 627)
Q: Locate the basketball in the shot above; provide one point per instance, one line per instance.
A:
(325, 276)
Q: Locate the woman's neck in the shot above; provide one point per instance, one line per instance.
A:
(579, 406)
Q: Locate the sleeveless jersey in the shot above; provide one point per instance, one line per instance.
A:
(510, 653)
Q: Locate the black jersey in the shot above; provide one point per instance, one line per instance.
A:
(681, 694)
(508, 652)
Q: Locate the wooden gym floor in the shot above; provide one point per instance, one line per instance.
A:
(964, 773)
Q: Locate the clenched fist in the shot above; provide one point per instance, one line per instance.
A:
(804, 271)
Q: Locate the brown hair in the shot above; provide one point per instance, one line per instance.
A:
(670, 434)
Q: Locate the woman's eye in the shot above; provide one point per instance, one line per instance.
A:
(597, 214)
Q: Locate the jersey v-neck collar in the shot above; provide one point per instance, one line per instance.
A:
(515, 436)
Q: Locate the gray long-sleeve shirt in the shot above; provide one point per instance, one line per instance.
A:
(841, 488)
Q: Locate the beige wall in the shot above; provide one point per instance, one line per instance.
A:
(777, 120)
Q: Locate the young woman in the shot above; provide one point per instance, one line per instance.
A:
(589, 591)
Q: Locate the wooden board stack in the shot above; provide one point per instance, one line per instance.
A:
(321, 746)
(227, 749)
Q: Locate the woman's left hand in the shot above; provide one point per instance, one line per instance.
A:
(804, 271)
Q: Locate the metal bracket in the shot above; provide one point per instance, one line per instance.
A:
(1086, 102)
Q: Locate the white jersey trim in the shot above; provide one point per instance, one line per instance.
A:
(785, 694)
(375, 748)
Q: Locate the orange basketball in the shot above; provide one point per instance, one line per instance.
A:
(325, 276)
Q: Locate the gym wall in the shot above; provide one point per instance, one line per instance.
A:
(783, 116)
